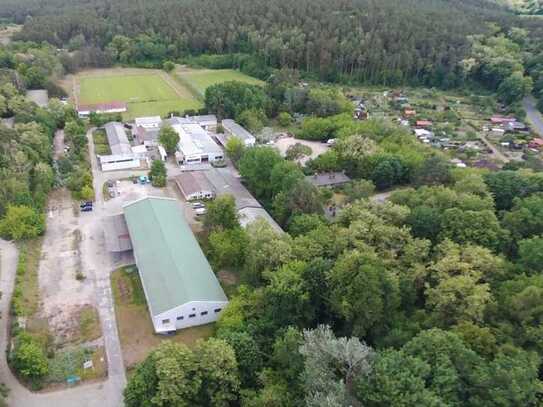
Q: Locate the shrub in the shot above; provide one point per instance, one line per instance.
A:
(28, 357)
(22, 222)
(284, 119)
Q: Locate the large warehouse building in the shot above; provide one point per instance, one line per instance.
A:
(179, 285)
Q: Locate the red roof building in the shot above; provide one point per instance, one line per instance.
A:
(424, 123)
(111, 107)
(499, 119)
(536, 143)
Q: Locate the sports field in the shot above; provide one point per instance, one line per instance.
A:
(201, 79)
(147, 92)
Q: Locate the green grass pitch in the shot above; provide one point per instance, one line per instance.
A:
(145, 94)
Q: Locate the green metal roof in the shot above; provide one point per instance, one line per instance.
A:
(171, 264)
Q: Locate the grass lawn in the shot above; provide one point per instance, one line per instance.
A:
(70, 362)
(200, 79)
(134, 323)
(147, 92)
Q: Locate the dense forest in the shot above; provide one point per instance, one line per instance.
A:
(383, 42)
(433, 298)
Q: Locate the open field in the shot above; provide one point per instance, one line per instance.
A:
(135, 328)
(131, 89)
(200, 79)
(146, 91)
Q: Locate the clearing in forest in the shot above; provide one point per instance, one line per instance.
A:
(200, 79)
(147, 92)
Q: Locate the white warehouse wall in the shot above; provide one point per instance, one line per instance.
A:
(185, 310)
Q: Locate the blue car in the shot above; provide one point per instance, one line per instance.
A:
(86, 209)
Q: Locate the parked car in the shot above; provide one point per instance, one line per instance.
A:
(197, 205)
(143, 180)
(200, 211)
(86, 208)
(84, 204)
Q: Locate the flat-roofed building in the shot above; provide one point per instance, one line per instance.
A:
(207, 121)
(150, 122)
(232, 129)
(114, 162)
(195, 144)
(147, 136)
(179, 284)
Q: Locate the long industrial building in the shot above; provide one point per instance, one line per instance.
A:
(179, 284)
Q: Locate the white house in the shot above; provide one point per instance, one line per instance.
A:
(116, 162)
(179, 284)
(232, 129)
(150, 122)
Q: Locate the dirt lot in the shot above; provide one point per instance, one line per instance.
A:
(135, 328)
(317, 147)
(63, 295)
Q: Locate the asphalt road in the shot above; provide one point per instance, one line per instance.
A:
(533, 115)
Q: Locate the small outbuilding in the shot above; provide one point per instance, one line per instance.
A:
(179, 284)
(423, 123)
(329, 179)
